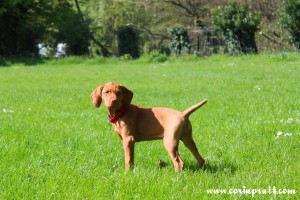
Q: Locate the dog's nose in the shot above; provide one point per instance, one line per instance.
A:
(113, 101)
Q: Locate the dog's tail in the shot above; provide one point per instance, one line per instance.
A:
(193, 108)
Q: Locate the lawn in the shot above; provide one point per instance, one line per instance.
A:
(55, 145)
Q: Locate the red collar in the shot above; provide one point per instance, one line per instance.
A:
(117, 116)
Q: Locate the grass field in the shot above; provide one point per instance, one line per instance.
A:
(55, 145)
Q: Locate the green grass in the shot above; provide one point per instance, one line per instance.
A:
(55, 145)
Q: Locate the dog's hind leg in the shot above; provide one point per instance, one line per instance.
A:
(171, 145)
(189, 142)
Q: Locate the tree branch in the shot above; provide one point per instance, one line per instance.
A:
(269, 38)
(153, 35)
(104, 51)
(180, 5)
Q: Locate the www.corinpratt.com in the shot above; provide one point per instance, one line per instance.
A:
(271, 190)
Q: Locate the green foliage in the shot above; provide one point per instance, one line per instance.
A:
(21, 26)
(156, 56)
(126, 57)
(66, 26)
(153, 57)
(238, 26)
(128, 41)
(26, 23)
(290, 15)
(108, 18)
(179, 41)
(70, 29)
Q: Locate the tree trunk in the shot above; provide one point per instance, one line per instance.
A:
(104, 50)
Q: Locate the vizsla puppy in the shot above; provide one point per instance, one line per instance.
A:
(135, 123)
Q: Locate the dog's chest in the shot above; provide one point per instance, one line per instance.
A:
(122, 129)
(117, 130)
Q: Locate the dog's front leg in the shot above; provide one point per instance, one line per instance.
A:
(128, 144)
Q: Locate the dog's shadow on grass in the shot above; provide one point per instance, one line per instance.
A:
(214, 168)
(209, 167)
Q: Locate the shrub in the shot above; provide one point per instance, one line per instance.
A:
(289, 18)
(179, 43)
(125, 57)
(75, 34)
(128, 42)
(155, 56)
(238, 26)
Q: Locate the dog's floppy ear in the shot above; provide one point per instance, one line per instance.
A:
(127, 96)
(96, 96)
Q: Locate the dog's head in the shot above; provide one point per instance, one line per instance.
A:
(114, 96)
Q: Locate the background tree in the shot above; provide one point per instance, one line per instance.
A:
(179, 41)
(104, 50)
(71, 29)
(25, 23)
(195, 12)
(290, 19)
(128, 40)
(88, 23)
(109, 16)
(21, 25)
(238, 26)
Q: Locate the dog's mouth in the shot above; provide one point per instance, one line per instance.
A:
(114, 106)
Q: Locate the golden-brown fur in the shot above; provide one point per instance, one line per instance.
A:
(141, 124)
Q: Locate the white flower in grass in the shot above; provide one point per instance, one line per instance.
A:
(257, 87)
(288, 134)
(278, 134)
(7, 111)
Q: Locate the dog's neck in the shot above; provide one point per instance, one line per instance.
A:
(114, 115)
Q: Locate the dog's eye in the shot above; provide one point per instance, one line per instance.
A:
(106, 92)
(119, 93)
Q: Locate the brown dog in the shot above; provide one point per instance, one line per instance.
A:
(134, 123)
